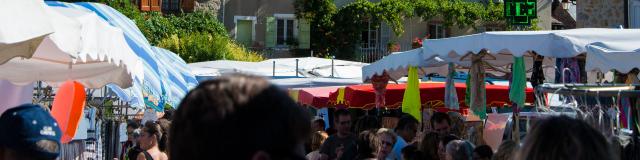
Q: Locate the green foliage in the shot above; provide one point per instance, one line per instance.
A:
(393, 13)
(337, 31)
(197, 47)
(195, 37)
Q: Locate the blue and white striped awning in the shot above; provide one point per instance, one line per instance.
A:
(166, 77)
(179, 78)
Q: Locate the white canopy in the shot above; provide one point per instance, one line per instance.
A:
(104, 55)
(621, 56)
(312, 72)
(24, 25)
(502, 45)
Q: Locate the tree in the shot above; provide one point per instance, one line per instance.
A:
(337, 31)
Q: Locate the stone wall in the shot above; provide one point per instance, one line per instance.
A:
(600, 13)
(207, 5)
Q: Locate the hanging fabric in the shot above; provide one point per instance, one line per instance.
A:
(537, 75)
(411, 101)
(450, 95)
(379, 83)
(572, 76)
(467, 92)
(518, 83)
(478, 101)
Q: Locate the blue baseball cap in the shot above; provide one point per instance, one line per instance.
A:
(31, 130)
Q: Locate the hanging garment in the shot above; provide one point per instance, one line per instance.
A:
(411, 100)
(380, 87)
(450, 95)
(467, 92)
(537, 75)
(572, 76)
(478, 101)
(518, 83)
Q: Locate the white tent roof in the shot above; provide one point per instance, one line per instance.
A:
(24, 26)
(312, 72)
(103, 54)
(502, 45)
(606, 56)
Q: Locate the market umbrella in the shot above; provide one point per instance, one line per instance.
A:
(25, 24)
(150, 92)
(65, 55)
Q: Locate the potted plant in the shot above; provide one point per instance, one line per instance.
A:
(393, 47)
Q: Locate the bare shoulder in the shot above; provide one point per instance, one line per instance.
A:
(141, 156)
(164, 156)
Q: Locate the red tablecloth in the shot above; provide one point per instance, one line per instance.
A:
(431, 94)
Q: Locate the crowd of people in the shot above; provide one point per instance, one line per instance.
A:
(246, 117)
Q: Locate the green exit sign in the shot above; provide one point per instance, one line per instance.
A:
(520, 12)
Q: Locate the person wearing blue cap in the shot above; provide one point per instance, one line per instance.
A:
(28, 132)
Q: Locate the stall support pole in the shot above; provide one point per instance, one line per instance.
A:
(516, 120)
(332, 63)
(274, 69)
(297, 67)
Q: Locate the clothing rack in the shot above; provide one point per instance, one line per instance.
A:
(595, 90)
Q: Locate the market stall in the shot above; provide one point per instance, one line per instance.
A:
(431, 94)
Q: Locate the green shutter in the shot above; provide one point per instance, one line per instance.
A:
(303, 34)
(270, 37)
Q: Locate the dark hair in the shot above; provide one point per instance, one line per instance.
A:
(341, 112)
(321, 121)
(439, 117)
(168, 113)
(233, 117)
(133, 124)
(411, 152)
(405, 121)
(429, 145)
(566, 138)
(484, 151)
(365, 144)
(367, 122)
(165, 125)
(154, 129)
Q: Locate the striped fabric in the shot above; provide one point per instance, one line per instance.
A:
(166, 76)
(180, 79)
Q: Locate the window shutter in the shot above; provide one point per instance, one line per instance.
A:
(304, 30)
(144, 5)
(156, 5)
(270, 37)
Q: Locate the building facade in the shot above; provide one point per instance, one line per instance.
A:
(265, 25)
(375, 42)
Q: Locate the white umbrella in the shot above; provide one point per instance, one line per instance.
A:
(24, 26)
(104, 55)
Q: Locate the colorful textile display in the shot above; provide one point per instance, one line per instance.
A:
(518, 82)
(478, 100)
(450, 94)
(411, 100)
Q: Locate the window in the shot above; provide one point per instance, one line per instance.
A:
(369, 37)
(171, 5)
(437, 31)
(284, 29)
